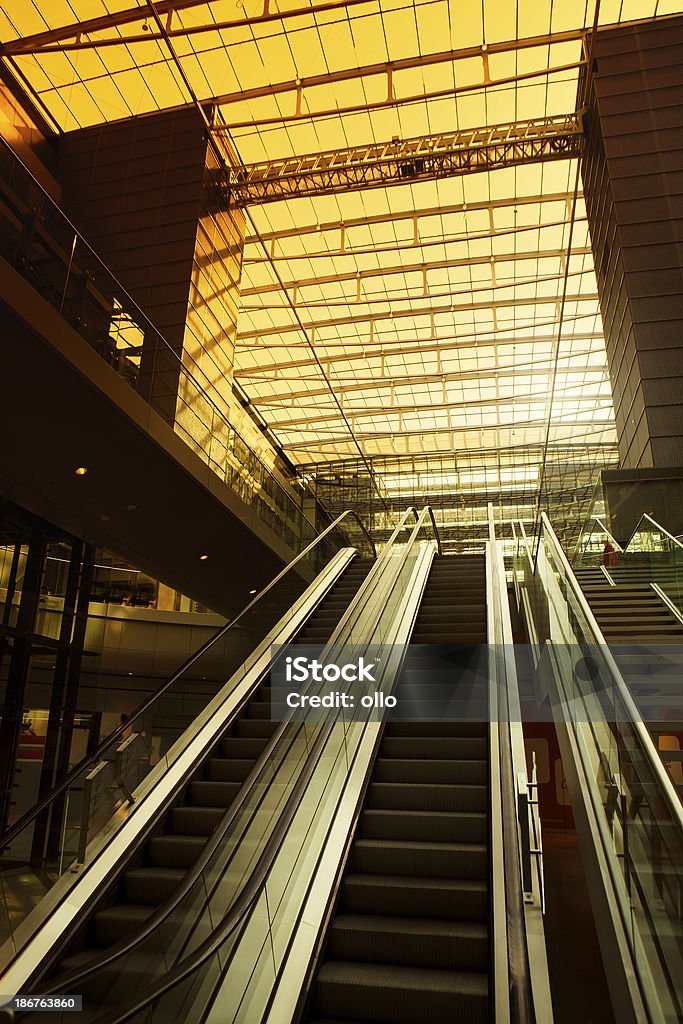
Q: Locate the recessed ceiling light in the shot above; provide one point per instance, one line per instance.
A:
(252, 591)
(81, 471)
(203, 558)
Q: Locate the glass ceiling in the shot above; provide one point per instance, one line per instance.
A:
(421, 317)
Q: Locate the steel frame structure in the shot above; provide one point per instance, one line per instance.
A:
(402, 162)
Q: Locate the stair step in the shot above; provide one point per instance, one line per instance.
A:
(433, 860)
(151, 885)
(400, 995)
(195, 821)
(213, 793)
(416, 942)
(229, 769)
(423, 826)
(174, 851)
(405, 796)
(115, 923)
(431, 771)
(409, 896)
(456, 748)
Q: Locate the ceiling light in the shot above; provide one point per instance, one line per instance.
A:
(203, 558)
(252, 591)
(81, 471)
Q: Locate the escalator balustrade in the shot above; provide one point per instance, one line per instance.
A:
(409, 939)
(166, 857)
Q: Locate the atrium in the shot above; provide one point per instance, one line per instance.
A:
(356, 325)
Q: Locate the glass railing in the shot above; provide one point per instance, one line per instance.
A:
(637, 814)
(650, 556)
(596, 547)
(228, 931)
(521, 984)
(56, 835)
(38, 240)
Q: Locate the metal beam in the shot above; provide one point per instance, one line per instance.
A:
(312, 423)
(392, 381)
(372, 318)
(412, 268)
(404, 162)
(417, 347)
(58, 39)
(415, 214)
(338, 441)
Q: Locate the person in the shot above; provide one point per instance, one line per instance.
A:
(609, 555)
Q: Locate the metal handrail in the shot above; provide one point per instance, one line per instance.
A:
(646, 515)
(140, 317)
(162, 912)
(82, 765)
(249, 893)
(651, 753)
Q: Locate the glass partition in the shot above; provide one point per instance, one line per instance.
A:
(50, 839)
(637, 810)
(231, 929)
(41, 244)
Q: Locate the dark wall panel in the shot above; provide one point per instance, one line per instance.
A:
(633, 184)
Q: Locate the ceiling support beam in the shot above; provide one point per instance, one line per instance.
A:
(429, 312)
(402, 162)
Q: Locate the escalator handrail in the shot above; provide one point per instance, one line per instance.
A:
(435, 528)
(252, 887)
(650, 751)
(92, 759)
(160, 914)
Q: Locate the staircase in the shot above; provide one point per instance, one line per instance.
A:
(177, 842)
(409, 939)
(638, 626)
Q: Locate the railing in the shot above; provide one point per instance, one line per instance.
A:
(651, 555)
(39, 241)
(521, 982)
(227, 925)
(52, 838)
(633, 833)
(596, 546)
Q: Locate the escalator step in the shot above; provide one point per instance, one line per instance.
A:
(195, 821)
(213, 794)
(242, 747)
(416, 942)
(387, 994)
(453, 747)
(433, 772)
(433, 860)
(151, 885)
(114, 923)
(392, 796)
(425, 827)
(408, 896)
(259, 709)
(462, 730)
(255, 728)
(174, 851)
(229, 769)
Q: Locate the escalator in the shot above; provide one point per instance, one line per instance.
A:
(361, 874)
(164, 859)
(409, 940)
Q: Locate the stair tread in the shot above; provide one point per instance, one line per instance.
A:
(418, 844)
(413, 979)
(411, 925)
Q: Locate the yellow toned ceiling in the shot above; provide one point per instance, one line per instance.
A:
(432, 307)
